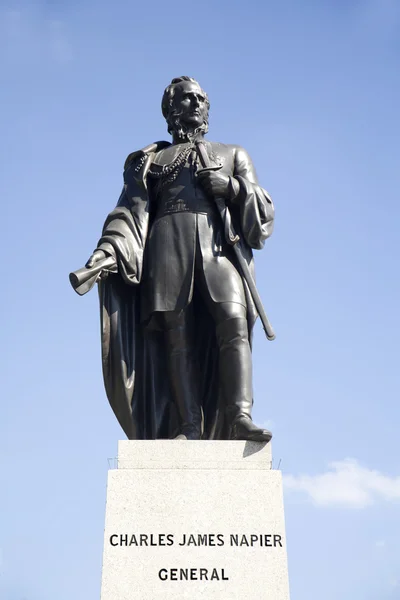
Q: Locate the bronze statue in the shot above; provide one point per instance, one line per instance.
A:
(176, 282)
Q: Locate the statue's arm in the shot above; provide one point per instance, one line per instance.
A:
(121, 246)
(244, 169)
(256, 206)
(101, 262)
(125, 229)
(105, 249)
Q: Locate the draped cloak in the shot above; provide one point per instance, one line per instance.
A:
(133, 353)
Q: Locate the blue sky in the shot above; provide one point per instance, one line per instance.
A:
(311, 90)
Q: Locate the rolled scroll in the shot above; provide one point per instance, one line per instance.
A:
(84, 279)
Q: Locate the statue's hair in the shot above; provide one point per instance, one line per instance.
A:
(172, 115)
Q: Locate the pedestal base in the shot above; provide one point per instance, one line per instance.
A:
(194, 520)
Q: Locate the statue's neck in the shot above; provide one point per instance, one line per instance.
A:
(189, 136)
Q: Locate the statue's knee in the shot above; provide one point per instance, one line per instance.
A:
(231, 331)
(228, 310)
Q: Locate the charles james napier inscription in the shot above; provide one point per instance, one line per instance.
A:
(267, 540)
(196, 573)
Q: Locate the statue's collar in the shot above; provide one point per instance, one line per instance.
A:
(155, 147)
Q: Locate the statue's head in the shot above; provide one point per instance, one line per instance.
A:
(185, 107)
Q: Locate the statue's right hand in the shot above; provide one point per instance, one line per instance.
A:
(96, 256)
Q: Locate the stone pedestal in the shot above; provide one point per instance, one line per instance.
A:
(194, 520)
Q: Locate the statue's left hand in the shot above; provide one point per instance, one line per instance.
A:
(96, 256)
(215, 184)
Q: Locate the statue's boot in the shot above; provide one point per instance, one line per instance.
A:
(184, 384)
(236, 380)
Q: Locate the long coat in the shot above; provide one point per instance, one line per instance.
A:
(134, 372)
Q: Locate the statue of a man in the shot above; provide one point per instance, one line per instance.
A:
(176, 314)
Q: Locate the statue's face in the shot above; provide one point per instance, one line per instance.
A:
(190, 102)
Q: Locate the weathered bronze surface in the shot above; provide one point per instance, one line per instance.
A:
(176, 282)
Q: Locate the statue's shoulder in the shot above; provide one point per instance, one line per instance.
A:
(233, 148)
(223, 152)
(238, 153)
(134, 158)
(230, 147)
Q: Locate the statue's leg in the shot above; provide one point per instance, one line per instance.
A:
(235, 370)
(221, 287)
(182, 372)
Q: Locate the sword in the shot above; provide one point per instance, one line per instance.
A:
(232, 239)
